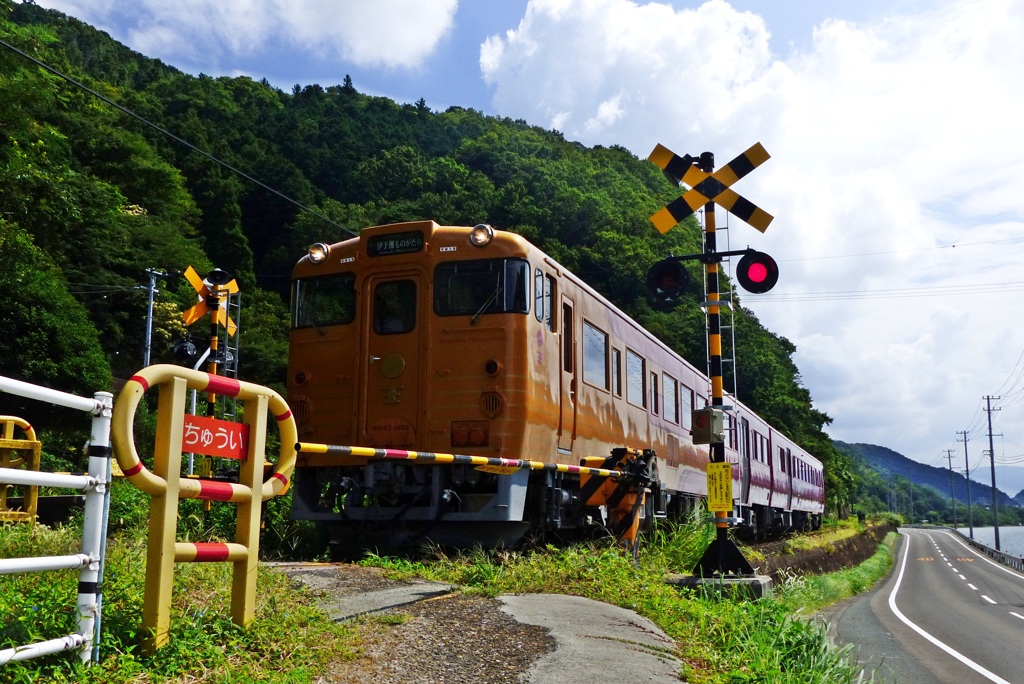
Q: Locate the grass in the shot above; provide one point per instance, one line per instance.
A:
(720, 641)
(290, 640)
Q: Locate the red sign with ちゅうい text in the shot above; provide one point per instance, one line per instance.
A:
(214, 437)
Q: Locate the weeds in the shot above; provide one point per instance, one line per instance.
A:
(290, 640)
(720, 641)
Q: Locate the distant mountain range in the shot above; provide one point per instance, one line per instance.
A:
(889, 463)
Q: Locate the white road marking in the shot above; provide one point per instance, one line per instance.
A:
(959, 656)
(972, 586)
(988, 599)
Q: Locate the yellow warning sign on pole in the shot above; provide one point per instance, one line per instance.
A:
(719, 487)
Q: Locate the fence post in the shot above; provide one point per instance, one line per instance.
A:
(94, 529)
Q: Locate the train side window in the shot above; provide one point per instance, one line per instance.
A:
(636, 372)
(538, 294)
(671, 389)
(394, 307)
(744, 437)
(655, 407)
(323, 301)
(686, 403)
(595, 356)
(617, 372)
(782, 459)
(543, 292)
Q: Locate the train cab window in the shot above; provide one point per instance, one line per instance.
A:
(671, 389)
(617, 372)
(543, 291)
(394, 307)
(484, 286)
(595, 356)
(636, 373)
(323, 301)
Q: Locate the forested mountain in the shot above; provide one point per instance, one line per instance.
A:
(91, 196)
(889, 481)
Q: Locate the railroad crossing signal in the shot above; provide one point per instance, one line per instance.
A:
(213, 291)
(709, 187)
(667, 279)
(757, 272)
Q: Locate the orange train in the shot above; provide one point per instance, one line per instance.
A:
(472, 341)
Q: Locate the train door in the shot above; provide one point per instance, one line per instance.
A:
(744, 446)
(393, 335)
(567, 378)
(788, 460)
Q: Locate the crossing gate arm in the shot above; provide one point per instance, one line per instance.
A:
(454, 459)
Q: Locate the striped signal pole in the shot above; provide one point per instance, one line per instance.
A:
(722, 555)
(707, 188)
(213, 291)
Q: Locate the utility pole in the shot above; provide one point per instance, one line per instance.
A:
(967, 464)
(992, 458)
(952, 494)
(153, 275)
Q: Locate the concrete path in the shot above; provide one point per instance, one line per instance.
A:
(596, 642)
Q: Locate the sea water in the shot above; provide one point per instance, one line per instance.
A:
(1011, 539)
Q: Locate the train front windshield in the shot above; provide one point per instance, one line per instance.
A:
(324, 300)
(473, 288)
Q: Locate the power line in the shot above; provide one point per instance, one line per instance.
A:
(894, 293)
(903, 251)
(174, 137)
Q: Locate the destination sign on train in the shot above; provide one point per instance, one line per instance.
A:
(399, 243)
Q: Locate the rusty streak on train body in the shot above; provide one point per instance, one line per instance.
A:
(471, 340)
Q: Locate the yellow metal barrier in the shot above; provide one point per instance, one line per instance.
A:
(177, 432)
(9, 458)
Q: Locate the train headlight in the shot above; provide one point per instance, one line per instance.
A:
(319, 252)
(481, 235)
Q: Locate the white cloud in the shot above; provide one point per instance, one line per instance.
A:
(385, 33)
(894, 139)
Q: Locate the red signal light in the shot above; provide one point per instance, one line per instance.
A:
(757, 272)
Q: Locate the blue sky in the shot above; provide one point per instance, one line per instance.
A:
(895, 129)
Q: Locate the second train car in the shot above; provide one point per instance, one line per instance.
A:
(470, 340)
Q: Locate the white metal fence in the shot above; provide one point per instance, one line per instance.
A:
(89, 562)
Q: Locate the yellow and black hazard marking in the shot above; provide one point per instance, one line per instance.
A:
(926, 558)
(965, 560)
(709, 187)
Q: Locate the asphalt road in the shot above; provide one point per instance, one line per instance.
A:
(946, 614)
